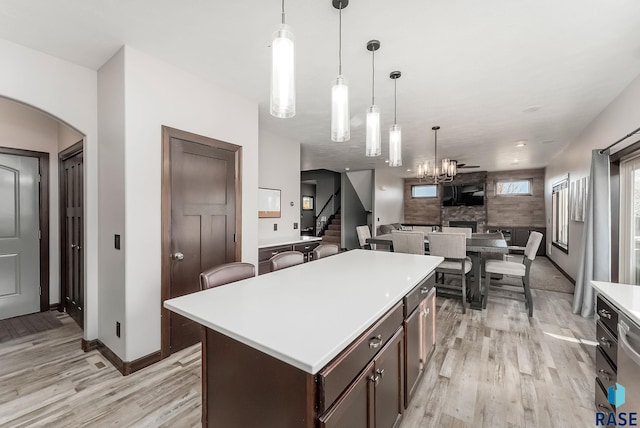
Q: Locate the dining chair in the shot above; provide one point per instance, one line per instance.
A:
(286, 259)
(225, 274)
(324, 250)
(514, 268)
(466, 230)
(453, 247)
(407, 242)
(363, 234)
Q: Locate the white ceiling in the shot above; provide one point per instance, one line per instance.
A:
(473, 67)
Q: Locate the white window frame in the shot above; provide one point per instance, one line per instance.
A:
(560, 215)
(529, 193)
(628, 263)
(424, 185)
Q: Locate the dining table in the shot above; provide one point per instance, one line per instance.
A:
(478, 246)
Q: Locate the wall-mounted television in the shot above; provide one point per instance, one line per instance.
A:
(463, 194)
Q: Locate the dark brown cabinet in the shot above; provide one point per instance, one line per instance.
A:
(355, 408)
(419, 333)
(606, 353)
(265, 253)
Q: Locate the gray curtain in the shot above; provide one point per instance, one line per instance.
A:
(595, 252)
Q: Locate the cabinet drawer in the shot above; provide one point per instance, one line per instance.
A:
(607, 343)
(605, 372)
(608, 315)
(266, 253)
(339, 373)
(305, 248)
(601, 402)
(415, 296)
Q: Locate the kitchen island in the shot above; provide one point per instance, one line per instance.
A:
(326, 343)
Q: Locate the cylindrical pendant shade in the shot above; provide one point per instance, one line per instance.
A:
(395, 146)
(373, 141)
(340, 126)
(283, 89)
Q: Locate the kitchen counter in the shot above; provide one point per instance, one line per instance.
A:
(264, 243)
(306, 315)
(625, 296)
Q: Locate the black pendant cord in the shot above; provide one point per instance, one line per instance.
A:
(395, 101)
(340, 43)
(282, 11)
(373, 79)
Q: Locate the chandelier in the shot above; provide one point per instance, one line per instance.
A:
(442, 173)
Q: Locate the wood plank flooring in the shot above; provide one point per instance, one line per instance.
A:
(495, 368)
(13, 328)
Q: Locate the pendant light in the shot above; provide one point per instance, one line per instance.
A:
(340, 126)
(283, 89)
(444, 173)
(373, 140)
(395, 132)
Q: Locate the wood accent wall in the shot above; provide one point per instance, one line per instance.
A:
(516, 210)
(420, 210)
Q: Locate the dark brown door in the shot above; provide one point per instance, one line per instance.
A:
(203, 223)
(72, 237)
(389, 389)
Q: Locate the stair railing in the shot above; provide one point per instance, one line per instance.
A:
(322, 221)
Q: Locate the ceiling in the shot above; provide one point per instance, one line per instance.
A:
(490, 73)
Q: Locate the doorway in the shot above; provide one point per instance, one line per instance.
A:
(201, 221)
(24, 232)
(72, 232)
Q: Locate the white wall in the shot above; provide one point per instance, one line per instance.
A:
(362, 181)
(67, 92)
(111, 272)
(67, 137)
(157, 94)
(618, 119)
(388, 198)
(25, 128)
(279, 165)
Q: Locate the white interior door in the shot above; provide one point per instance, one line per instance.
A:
(19, 236)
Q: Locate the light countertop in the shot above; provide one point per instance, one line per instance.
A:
(307, 314)
(625, 296)
(290, 240)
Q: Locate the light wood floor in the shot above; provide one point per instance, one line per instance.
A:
(494, 368)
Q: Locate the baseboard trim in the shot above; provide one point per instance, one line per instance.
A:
(124, 367)
(571, 280)
(89, 345)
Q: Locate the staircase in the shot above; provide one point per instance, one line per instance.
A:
(333, 233)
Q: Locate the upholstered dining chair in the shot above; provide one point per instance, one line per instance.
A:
(324, 250)
(514, 268)
(466, 230)
(286, 259)
(453, 247)
(407, 242)
(225, 274)
(363, 234)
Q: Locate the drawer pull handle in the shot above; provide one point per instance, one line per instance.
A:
(375, 342)
(375, 379)
(604, 342)
(380, 372)
(605, 374)
(424, 290)
(604, 313)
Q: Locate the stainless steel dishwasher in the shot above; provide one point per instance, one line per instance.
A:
(629, 362)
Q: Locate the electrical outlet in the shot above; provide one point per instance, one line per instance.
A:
(295, 226)
(275, 226)
(117, 329)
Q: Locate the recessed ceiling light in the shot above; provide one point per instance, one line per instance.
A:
(548, 142)
(346, 169)
(515, 162)
(521, 144)
(386, 161)
(531, 109)
(408, 169)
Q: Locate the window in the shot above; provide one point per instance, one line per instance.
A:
(560, 214)
(514, 187)
(630, 221)
(424, 191)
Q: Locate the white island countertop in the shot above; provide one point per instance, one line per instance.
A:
(307, 314)
(264, 243)
(625, 296)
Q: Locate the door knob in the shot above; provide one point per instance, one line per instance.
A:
(177, 256)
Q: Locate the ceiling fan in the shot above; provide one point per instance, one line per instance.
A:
(464, 165)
